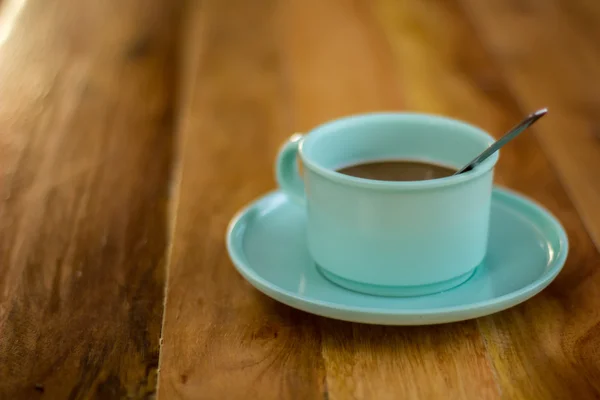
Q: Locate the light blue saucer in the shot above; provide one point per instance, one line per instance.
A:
(527, 249)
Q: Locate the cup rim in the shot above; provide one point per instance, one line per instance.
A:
(338, 177)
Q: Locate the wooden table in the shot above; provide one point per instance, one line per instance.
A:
(131, 131)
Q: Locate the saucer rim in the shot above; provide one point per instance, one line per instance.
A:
(475, 309)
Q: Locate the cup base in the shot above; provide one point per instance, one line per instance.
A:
(396, 291)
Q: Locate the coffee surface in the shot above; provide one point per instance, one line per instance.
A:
(397, 170)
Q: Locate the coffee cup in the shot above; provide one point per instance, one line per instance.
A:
(391, 238)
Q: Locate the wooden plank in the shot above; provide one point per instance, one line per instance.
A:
(547, 347)
(221, 338)
(550, 56)
(343, 65)
(85, 154)
(340, 65)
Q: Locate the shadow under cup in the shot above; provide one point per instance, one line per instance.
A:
(392, 238)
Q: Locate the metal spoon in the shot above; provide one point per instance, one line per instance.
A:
(510, 135)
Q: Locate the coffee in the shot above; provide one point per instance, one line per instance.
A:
(397, 170)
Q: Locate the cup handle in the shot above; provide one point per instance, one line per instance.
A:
(286, 169)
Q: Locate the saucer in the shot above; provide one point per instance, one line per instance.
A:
(527, 249)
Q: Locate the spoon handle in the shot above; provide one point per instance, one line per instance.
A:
(514, 132)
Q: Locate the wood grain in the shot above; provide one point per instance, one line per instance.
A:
(85, 139)
(105, 111)
(543, 348)
(549, 54)
(340, 65)
(221, 338)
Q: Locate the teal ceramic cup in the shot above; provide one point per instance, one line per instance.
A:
(391, 238)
